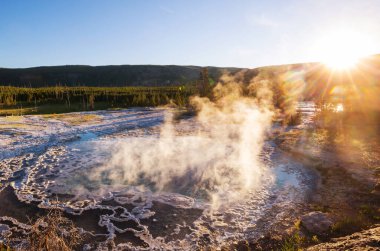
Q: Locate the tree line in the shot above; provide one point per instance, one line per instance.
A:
(89, 97)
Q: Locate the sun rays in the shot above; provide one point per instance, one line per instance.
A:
(342, 49)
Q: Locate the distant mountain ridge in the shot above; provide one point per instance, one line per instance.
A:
(165, 75)
(112, 75)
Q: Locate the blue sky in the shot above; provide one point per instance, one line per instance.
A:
(205, 32)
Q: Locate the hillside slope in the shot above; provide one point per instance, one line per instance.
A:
(113, 75)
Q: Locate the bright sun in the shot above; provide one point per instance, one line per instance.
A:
(341, 50)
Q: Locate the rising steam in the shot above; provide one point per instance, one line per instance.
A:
(218, 161)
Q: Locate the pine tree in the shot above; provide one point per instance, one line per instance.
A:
(204, 83)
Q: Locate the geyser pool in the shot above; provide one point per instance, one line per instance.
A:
(72, 174)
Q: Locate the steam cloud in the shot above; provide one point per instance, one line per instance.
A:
(219, 162)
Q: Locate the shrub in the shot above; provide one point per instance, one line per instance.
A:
(293, 243)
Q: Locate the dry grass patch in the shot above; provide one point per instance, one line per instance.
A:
(75, 119)
(16, 111)
(10, 122)
(13, 119)
(53, 232)
(13, 126)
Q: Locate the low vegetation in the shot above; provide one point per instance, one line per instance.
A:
(3, 247)
(50, 232)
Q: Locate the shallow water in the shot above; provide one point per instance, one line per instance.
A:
(54, 162)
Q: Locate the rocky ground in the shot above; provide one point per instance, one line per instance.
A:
(345, 205)
(363, 240)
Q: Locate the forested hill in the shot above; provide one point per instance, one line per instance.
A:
(121, 75)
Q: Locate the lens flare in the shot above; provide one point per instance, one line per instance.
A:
(339, 108)
(343, 49)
